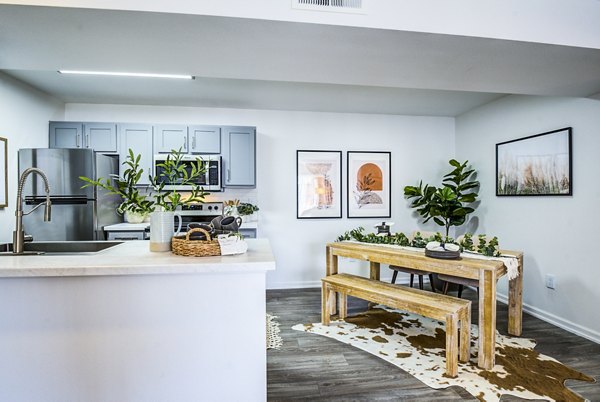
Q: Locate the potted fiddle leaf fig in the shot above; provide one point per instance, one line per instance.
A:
(135, 205)
(450, 204)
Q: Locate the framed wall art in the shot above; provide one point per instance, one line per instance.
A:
(3, 172)
(369, 184)
(318, 184)
(537, 165)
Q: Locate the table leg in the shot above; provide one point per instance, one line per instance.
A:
(487, 319)
(375, 268)
(515, 302)
(331, 269)
(324, 304)
(374, 273)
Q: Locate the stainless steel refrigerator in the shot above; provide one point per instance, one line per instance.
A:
(77, 213)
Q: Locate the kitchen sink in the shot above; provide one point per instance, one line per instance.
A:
(59, 247)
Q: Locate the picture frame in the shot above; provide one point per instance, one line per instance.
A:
(318, 184)
(537, 165)
(3, 172)
(369, 184)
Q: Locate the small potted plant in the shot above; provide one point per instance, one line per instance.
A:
(248, 211)
(136, 206)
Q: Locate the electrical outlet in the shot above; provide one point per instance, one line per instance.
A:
(550, 281)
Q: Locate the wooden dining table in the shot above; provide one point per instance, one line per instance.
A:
(486, 271)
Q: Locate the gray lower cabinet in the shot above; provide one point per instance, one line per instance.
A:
(101, 137)
(239, 156)
(248, 233)
(138, 138)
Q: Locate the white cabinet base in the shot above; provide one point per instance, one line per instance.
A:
(181, 337)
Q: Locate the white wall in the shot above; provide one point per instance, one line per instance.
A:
(420, 147)
(24, 116)
(558, 234)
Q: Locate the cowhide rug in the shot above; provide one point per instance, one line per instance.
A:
(417, 345)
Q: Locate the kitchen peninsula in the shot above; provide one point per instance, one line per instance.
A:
(128, 324)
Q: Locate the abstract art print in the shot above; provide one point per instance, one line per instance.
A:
(369, 184)
(319, 184)
(540, 164)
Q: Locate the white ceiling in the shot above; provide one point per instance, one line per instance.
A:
(258, 64)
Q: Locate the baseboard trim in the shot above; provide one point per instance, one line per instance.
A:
(560, 322)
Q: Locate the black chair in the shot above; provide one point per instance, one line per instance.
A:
(412, 273)
(461, 282)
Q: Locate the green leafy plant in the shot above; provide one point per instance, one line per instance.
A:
(127, 187)
(446, 205)
(245, 208)
(467, 242)
(173, 170)
(489, 248)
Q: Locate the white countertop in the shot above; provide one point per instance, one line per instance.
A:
(126, 227)
(135, 258)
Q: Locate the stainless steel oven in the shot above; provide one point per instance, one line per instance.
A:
(210, 180)
(199, 213)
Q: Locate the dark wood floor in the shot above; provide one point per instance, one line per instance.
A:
(314, 367)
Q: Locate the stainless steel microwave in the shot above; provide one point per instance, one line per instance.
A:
(210, 180)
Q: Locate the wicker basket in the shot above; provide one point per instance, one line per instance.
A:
(182, 245)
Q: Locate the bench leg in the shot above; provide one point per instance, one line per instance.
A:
(465, 335)
(325, 308)
(343, 305)
(452, 345)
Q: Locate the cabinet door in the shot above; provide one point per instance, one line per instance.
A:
(205, 139)
(138, 137)
(101, 137)
(66, 134)
(239, 156)
(167, 138)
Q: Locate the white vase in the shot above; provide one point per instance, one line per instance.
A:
(162, 224)
(135, 217)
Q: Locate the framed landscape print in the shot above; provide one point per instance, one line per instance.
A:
(369, 184)
(540, 164)
(318, 184)
(3, 172)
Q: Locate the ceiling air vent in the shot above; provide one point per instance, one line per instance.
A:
(342, 6)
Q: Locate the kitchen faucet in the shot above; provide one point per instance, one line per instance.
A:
(19, 234)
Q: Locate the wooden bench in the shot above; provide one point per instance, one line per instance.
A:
(433, 305)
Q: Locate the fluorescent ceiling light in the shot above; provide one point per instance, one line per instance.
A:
(144, 75)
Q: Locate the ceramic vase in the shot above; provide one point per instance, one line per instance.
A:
(162, 224)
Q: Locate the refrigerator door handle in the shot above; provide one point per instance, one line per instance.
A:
(56, 200)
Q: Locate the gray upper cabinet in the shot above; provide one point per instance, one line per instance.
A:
(204, 139)
(138, 138)
(66, 134)
(192, 139)
(101, 137)
(239, 156)
(167, 138)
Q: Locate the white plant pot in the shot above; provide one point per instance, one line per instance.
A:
(135, 217)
